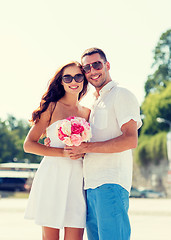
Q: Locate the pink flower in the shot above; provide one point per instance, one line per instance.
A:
(76, 139)
(61, 135)
(76, 128)
(73, 131)
(67, 141)
(69, 118)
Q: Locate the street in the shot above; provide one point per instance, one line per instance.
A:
(150, 220)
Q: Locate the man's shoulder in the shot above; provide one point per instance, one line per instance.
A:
(119, 91)
(122, 91)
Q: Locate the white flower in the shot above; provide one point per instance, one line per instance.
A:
(66, 127)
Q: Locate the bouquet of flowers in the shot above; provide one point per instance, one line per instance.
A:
(73, 131)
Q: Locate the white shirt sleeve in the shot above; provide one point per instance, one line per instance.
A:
(127, 107)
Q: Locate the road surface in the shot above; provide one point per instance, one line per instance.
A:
(150, 220)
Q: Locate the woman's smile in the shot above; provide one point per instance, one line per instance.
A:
(74, 87)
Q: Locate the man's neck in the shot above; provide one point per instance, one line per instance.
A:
(96, 94)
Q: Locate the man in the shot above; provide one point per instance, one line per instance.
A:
(107, 168)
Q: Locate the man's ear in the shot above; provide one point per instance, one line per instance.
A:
(108, 65)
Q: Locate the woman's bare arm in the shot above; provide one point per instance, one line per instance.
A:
(31, 144)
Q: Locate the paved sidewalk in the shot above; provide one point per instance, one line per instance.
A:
(137, 205)
(150, 220)
(144, 206)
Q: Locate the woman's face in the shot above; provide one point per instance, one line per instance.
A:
(76, 85)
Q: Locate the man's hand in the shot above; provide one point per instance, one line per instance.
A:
(76, 156)
(81, 149)
(73, 156)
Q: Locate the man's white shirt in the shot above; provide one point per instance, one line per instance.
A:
(114, 107)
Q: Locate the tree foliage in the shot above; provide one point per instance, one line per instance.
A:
(151, 149)
(162, 65)
(157, 103)
(12, 135)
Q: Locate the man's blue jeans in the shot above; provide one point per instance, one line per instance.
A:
(107, 213)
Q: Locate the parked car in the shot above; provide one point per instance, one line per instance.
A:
(14, 184)
(149, 193)
(135, 193)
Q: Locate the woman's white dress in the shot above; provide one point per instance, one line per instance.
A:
(57, 198)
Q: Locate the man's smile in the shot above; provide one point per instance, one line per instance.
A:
(95, 77)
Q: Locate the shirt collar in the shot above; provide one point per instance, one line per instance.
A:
(105, 89)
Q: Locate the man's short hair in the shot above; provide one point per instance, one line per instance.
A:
(91, 51)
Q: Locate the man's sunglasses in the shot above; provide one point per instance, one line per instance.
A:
(68, 78)
(96, 65)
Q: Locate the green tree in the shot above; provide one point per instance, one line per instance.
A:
(12, 134)
(7, 147)
(156, 105)
(152, 140)
(151, 149)
(161, 65)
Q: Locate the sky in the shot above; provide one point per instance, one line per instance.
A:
(36, 37)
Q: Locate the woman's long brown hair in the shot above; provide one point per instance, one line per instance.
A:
(56, 91)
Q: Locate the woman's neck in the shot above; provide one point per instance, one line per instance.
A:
(70, 100)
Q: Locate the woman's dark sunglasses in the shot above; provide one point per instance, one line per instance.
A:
(68, 78)
(96, 65)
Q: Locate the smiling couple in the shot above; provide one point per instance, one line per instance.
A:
(71, 192)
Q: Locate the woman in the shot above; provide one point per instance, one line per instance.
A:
(56, 199)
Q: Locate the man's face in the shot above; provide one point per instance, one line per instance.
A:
(98, 78)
